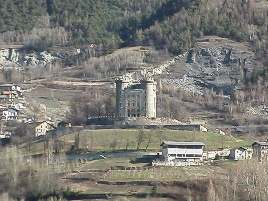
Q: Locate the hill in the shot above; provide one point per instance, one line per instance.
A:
(116, 23)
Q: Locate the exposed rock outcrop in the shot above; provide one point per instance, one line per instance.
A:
(215, 63)
(18, 58)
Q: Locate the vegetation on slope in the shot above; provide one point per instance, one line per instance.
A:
(171, 24)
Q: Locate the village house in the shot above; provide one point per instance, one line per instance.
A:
(18, 106)
(5, 134)
(10, 114)
(182, 153)
(5, 137)
(10, 87)
(5, 98)
(11, 90)
(41, 128)
(240, 153)
(260, 150)
(9, 93)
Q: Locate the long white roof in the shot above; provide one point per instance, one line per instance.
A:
(182, 143)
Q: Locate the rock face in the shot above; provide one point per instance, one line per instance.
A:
(216, 63)
(18, 58)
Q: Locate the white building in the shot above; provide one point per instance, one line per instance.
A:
(182, 151)
(41, 128)
(240, 153)
(5, 135)
(10, 114)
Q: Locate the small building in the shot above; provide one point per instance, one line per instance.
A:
(182, 153)
(5, 137)
(260, 150)
(5, 134)
(221, 132)
(240, 153)
(64, 124)
(4, 99)
(10, 114)
(41, 128)
(11, 91)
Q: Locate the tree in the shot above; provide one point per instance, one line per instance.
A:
(113, 144)
(8, 75)
(93, 104)
(77, 141)
(149, 139)
(140, 138)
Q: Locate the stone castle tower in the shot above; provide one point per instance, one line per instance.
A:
(136, 99)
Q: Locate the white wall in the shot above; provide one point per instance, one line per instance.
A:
(183, 151)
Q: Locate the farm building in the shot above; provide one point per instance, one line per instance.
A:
(240, 153)
(260, 150)
(182, 153)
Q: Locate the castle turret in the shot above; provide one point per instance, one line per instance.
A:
(121, 84)
(150, 104)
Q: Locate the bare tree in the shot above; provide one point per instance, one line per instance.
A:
(140, 138)
(149, 138)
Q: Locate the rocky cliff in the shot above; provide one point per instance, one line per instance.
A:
(10, 57)
(214, 63)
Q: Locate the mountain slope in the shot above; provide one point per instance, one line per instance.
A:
(167, 24)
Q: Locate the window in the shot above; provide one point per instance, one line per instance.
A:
(189, 155)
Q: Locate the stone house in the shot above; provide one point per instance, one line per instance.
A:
(260, 150)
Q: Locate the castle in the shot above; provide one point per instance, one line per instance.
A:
(135, 99)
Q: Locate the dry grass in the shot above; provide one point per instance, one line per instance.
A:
(163, 174)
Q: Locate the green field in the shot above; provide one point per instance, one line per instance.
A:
(120, 139)
(126, 139)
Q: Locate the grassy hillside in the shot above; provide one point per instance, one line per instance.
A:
(118, 139)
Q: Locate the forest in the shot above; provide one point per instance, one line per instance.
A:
(167, 24)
